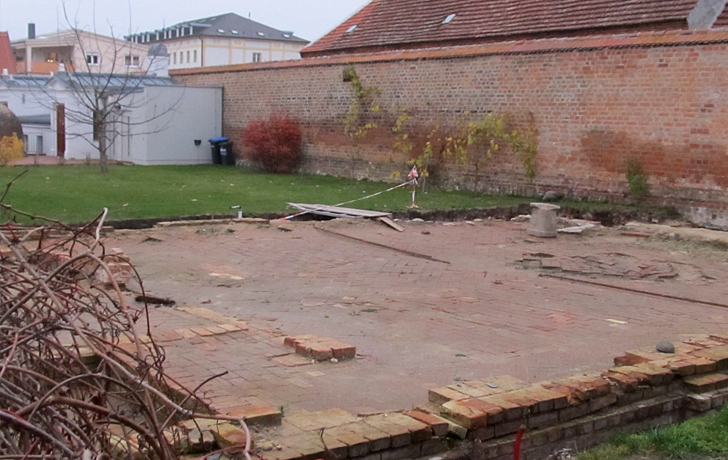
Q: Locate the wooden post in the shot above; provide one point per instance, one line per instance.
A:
(61, 130)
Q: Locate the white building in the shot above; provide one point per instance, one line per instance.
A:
(78, 50)
(152, 120)
(226, 39)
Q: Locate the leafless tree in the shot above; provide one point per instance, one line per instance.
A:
(99, 88)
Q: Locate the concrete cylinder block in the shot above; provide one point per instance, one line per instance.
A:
(543, 220)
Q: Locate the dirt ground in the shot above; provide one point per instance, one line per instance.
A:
(437, 303)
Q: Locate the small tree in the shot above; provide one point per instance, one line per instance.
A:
(94, 100)
(359, 122)
(476, 142)
(424, 145)
(274, 144)
(639, 188)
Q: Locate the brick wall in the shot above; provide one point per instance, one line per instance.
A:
(659, 97)
(478, 419)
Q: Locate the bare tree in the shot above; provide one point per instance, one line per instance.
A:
(101, 80)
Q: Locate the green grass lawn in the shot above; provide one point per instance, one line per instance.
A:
(78, 193)
(704, 437)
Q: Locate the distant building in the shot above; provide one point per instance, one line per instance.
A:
(153, 121)
(77, 50)
(226, 39)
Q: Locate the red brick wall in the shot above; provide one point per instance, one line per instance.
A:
(659, 97)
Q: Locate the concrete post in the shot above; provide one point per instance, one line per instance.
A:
(543, 220)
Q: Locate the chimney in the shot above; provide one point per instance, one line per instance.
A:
(31, 30)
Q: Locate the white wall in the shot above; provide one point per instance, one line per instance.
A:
(23, 104)
(196, 113)
(163, 129)
(40, 101)
(33, 133)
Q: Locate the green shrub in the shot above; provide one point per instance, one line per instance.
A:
(637, 179)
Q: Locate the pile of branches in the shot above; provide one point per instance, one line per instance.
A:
(77, 379)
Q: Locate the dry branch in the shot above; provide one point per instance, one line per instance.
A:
(77, 379)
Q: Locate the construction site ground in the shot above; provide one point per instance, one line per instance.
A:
(435, 304)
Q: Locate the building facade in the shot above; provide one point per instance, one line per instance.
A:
(80, 51)
(226, 39)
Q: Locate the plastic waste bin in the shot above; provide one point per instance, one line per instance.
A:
(226, 153)
(215, 145)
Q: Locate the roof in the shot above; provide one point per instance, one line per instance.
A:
(7, 59)
(224, 25)
(24, 81)
(394, 24)
(39, 120)
(111, 82)
(58, 38)
(67, 37)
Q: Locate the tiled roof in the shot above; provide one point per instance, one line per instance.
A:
(390, 24)
(7, 59)
(229, 25)
(722, 20)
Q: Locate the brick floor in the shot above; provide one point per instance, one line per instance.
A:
(416, 323)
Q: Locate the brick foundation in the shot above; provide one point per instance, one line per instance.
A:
(478, 419)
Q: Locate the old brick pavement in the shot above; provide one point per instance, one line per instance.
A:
(417, 323)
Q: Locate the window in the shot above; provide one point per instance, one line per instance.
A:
(132, 60)
(188, 57)
(92, 58)
(181, 57)
(174, 58)
(449, 19)
(256, 57)
(194, 56)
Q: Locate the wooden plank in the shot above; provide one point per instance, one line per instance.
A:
(391, 223)
(338, 211)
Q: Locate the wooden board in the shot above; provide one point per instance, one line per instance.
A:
(391, 223)
(338, 211)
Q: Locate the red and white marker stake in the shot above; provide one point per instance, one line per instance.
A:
(412, 177)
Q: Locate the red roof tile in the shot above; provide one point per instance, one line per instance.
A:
(7, 59)
(388, 24)
(722, 20)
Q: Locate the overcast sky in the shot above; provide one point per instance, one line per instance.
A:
(309, 19)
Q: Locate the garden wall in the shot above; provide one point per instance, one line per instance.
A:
(661, 98)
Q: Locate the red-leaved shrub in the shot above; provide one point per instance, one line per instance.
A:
(273, 144)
